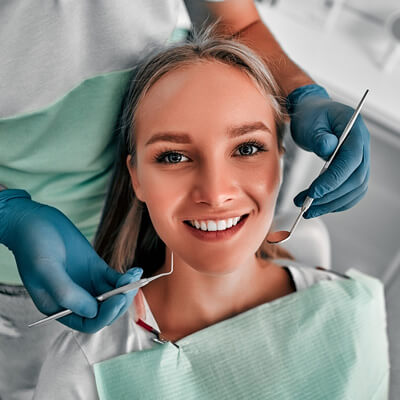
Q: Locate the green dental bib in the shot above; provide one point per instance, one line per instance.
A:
(326, 342)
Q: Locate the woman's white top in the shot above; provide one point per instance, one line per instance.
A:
(67, 372)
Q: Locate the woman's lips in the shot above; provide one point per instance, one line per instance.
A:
(216, 235)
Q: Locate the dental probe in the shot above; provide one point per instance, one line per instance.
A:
(283, 236)
(123, 289)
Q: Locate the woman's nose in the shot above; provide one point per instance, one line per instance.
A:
(215, 184)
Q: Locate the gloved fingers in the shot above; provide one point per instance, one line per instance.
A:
(323, 143)
(359, 178)
(351, 203)
(77, 299)
(68, 294)
(104, 273)
(111, 275)
(108, 311)
(107, 278)
(132, 275)
(63, 291)
(102, 277)
(336, 205)
(352, 155)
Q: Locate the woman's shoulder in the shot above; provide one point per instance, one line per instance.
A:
(121, 337)
(104, 343)
(304, 276)
(93, 347)
(74, 353)
(66, 372)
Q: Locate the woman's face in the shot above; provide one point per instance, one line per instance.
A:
(207, 150)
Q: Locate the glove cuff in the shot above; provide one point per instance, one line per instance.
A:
(6, 195)
(301, 93)
(9, 194)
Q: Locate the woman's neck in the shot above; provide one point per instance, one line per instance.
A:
(189, 300)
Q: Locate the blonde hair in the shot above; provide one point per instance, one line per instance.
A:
(126, 236)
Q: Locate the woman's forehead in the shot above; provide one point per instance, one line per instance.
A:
(203, 93)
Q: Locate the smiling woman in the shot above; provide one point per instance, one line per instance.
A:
(198, 175)
(196, 180)
(219, 140)
(198, 117)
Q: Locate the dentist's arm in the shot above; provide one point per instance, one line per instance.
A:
(57, 264)
(316, 120)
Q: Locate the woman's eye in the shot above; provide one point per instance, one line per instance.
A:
(245, 150)
(170, 158)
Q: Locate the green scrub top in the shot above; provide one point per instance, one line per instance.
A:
(69, 64)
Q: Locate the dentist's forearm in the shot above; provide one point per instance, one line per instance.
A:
(241, 20)
(288, 75)
(2, 187)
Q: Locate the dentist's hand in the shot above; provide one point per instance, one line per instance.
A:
(316, 124)
(58, 266)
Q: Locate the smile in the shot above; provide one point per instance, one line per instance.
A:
(216, 230)
(212, 225)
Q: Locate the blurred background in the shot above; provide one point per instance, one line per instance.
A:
(348, 46)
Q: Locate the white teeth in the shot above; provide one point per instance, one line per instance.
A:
(213, 226)
(221, 225)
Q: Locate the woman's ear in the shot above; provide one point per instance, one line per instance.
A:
(134, 179)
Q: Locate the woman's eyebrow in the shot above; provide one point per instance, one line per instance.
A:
(232, 132)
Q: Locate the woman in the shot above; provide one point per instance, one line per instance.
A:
(197, 176)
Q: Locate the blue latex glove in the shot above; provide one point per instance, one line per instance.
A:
(316, 123)
(58, 266)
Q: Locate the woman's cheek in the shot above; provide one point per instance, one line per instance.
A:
(266, 178)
